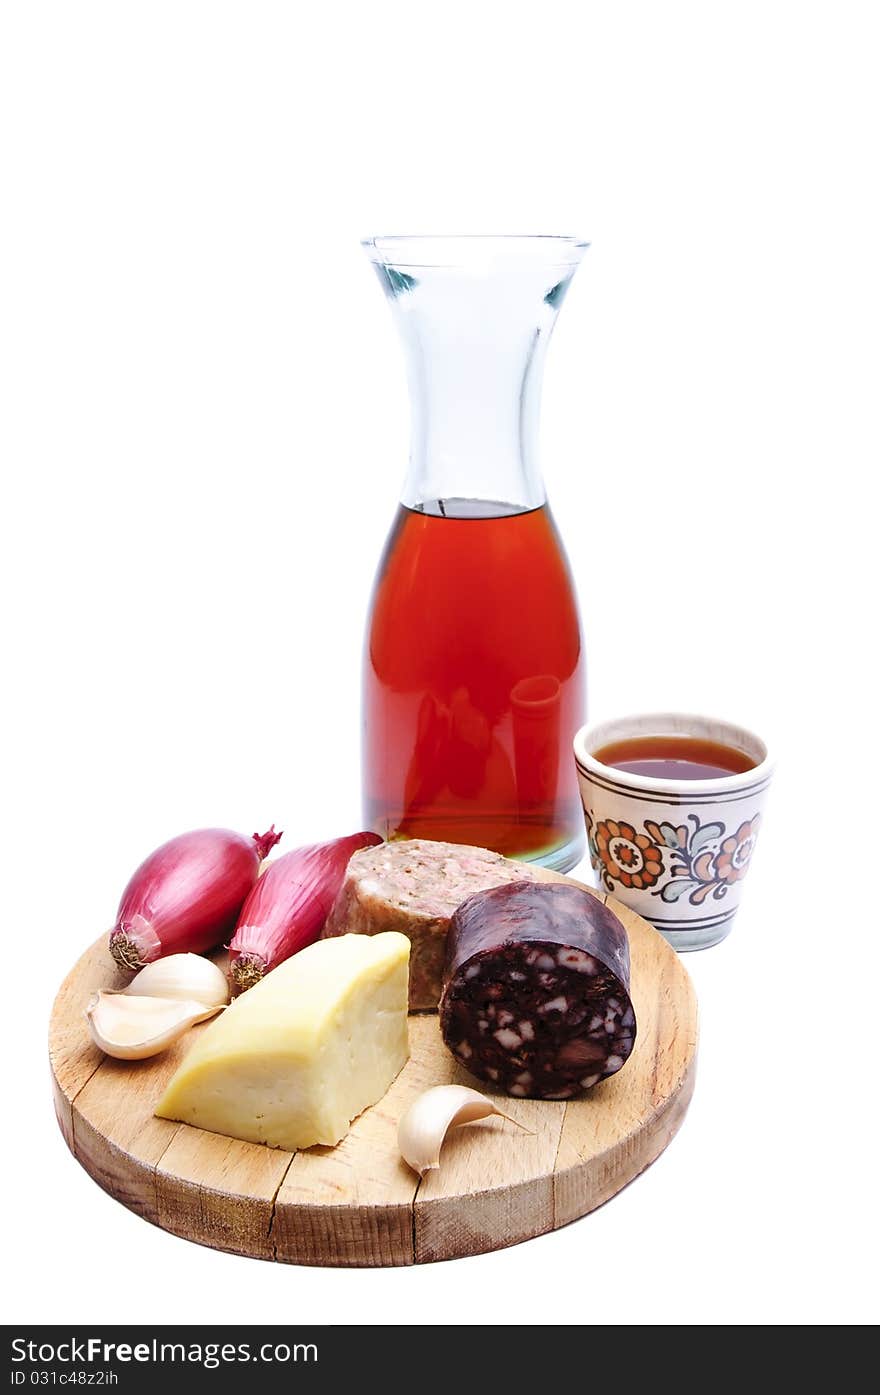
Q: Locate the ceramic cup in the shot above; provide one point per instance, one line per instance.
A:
(676, 851)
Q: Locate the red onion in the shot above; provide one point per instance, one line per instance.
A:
(288, 906)
(187, 894)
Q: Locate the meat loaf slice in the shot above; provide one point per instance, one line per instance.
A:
(415, 887)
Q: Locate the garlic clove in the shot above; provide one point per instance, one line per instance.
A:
(424, 1126)
(132, 1028)
(190, 977)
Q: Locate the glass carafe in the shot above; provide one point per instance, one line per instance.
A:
(474, 676)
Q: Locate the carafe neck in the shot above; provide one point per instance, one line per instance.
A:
(475, 316)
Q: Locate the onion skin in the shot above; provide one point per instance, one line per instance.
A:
(287, 908)
(186, 896)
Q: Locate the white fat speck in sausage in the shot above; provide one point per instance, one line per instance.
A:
(555, 1005)
(508, 1039)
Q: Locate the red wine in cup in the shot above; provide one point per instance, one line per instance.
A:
(674, 758)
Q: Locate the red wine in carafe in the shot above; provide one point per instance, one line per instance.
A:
(473, 681)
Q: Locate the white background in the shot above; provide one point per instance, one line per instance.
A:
(204, 431)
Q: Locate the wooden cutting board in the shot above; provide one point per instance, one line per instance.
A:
(358, 1203)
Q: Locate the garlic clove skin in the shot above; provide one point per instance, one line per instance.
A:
(424, 1126)
(189, 977)
(133, 1028)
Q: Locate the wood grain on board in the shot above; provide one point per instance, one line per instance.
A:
(358, 1203)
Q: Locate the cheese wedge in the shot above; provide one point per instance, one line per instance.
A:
(295, 1058)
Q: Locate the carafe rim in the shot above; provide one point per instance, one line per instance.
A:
(436, 249)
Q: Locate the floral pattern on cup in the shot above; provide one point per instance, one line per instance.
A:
(701, 861)
(624, 856)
